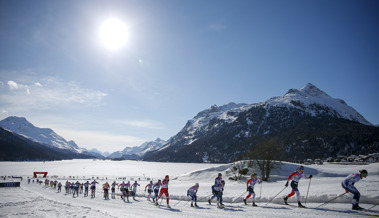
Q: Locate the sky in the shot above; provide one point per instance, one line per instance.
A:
(162, 61)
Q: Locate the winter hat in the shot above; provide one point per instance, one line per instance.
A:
(363, 172)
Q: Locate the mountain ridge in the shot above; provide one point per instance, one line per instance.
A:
(47, 136)
(137, 152)
(228, 132)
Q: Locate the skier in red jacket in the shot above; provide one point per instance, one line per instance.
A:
(250, 188)
(295, 176)
(164, 190)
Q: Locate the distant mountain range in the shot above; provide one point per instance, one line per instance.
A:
(47, 139)
(306, 123)
(135, 153)
(21, 126)
(15, 147)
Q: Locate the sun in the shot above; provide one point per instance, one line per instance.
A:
(113, 34)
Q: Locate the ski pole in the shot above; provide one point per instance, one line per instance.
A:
(239, 197)
(325, 203)
(372, 207)
(179, 202)
(276, 195)
(205, 197)
(309, 185)
(187, 202)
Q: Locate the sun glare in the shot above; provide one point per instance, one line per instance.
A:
(113, 34)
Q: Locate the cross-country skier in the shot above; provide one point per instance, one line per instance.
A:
(348, 185)
(67, 186)
(250, 188)
(86, 185)
(106, 190)
(192, 193)
(134, 189)
(59, 187)
(295, 176)
(121, 187)
(81, 188)
(156, 189)
(125, 192)
(76, 189)
(164, 190)
(217, 189)
(217, 181)
(114, 184)
(149, 188)
(72, 184)
(93, 188)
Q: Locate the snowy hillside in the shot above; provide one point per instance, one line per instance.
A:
(33, 200)
(21, 126)
(304, 99)
(308, 123)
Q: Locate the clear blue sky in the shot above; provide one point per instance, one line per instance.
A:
(180, 57)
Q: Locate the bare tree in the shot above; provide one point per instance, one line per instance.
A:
(266, 155)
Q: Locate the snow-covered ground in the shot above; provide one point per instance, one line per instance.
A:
(34, 200)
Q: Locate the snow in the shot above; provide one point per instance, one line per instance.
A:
(21, 126)
(309, 99)
(33, 200)
(310, 95)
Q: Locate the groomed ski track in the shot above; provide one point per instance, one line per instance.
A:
(32, 200)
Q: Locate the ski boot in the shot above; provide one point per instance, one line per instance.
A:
(244, 201)
(209, 201)
(285, 200)
(196, 205)
(300, 205)
(191, 204)
(168, 206)
(356, 207)
(254, 205)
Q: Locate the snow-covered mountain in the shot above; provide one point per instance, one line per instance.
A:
(21, 126)
(15, 147)
(310, 97)
(96, 153)
(137, 151)
(223, 131)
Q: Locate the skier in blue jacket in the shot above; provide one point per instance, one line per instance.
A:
(217, 189)
(192, 193)
(348, 185)
(218, 180)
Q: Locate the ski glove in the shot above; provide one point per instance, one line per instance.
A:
(310, 176)
(286, 185)
(346, 191)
